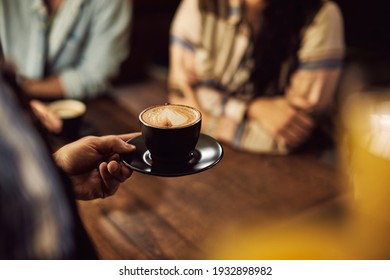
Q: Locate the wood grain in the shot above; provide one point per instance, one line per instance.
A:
(176, 218)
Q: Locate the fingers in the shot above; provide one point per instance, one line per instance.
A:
(48, 118)
(110, 183)
(119, 171)
(297, 129)
(112, 174)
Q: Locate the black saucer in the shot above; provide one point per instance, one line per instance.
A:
(208, 153)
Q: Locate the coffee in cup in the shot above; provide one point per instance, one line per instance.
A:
(170, 132)
(71, 112)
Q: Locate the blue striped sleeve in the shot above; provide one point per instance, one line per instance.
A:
(322, 64)
(182, 42)
(235, 10)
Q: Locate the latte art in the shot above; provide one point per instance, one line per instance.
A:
(170, 116)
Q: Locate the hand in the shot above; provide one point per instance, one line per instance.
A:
(92, 163)
(281, 120)
(51, 121)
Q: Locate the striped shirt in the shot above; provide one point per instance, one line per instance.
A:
(214, 48)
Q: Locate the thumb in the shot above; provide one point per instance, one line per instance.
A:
(114, 144)
(128, 136)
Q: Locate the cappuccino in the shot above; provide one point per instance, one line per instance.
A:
(170, 132)
(170, 116)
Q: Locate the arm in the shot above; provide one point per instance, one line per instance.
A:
(313, 85)
(50, 87)
(285, 123)
(100, 57)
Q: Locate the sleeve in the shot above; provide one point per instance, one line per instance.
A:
(106, 50)
(186, 24)
(324, 38)
(184, 36)
(313, 84)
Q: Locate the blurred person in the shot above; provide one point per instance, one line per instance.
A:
(65, 48)
(263, 72)
(38, 214)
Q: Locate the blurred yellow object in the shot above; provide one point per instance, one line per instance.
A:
(367, 151)
(366, 154)
(364, 148)
(290, 242)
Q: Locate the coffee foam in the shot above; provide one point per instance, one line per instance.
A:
(67, 113)
(66, 109)
(170, 116)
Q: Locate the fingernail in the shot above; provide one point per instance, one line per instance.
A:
(116, 167)
(131, 146)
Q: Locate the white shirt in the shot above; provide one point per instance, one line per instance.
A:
(88, 40)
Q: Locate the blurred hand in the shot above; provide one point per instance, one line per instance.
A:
(92, 163)
(48, 118)
(281, 120)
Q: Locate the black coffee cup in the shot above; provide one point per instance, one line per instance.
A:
(71, 112)
(170, 132)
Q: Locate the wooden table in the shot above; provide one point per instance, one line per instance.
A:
(176, 218)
